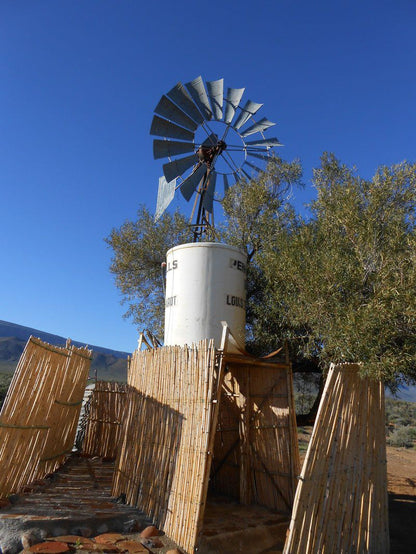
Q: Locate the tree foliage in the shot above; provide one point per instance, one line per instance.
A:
(139, 249)
(339, 286)
(348, 275)
(256, 212)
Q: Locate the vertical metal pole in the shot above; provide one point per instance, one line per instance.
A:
(199, 227)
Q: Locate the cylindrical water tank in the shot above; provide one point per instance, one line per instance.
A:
(205, 284)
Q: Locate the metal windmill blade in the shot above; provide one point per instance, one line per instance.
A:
(163, 128)
(255, 154)
(231, 103)
(264, 142)
(253, 166)
(167, 109)
(176, 168)
(196, 89)
(190, 184)
(248, 111)
(170, 148)
(202, 133)
(261, 125)
(182, 99)
(216, 96)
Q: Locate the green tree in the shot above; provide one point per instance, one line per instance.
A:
(255, 212)
(347, 277)
(139, 248)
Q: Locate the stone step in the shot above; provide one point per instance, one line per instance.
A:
(76, 499)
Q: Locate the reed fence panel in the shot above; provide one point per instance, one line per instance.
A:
(40, 412)
(165, 456)
(256, 456)
(341, 499)
(107, 405)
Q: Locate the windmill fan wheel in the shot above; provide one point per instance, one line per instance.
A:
(207, 134)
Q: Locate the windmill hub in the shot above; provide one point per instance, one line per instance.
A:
(207, 154)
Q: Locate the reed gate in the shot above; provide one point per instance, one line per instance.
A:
(256, 456)
(39, 417)
(101, 426)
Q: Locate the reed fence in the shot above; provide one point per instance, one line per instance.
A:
(187, 425)
(256, 456)
(104, 419)
(164, 460)
(40, 412)
(341, 499)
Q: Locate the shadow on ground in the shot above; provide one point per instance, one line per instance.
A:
(402, 520)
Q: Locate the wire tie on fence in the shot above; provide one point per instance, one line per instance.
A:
(62, 403)
(106, 421)
(11, 426)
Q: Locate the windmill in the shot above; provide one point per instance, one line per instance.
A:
(206, 136)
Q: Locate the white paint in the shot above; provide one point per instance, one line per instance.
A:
(205, 284)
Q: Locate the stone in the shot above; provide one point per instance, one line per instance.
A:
(49, 548)
(28, 539)
(109, 538)
(152, 542)
(72, 539)
(99, 548)
(132, 547)
(150, 531)
(131, 526)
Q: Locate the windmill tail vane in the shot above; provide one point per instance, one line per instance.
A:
(204, 135)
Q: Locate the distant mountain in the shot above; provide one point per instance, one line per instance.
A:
(109, 364)
(405, 393)
(310, 386)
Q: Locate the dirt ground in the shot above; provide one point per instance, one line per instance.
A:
(401, 474)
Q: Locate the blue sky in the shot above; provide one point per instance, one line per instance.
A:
(80, 80)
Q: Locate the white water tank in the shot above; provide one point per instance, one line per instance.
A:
(205, 284)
